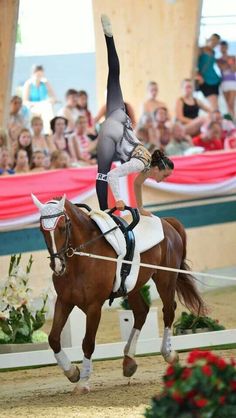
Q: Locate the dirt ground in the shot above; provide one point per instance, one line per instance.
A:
(45, 392)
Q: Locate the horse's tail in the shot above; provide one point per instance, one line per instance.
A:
(186, 289)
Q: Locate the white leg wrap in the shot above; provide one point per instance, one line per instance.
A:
(87, 368)
(166, 342)
(130, 348)
(63, 361)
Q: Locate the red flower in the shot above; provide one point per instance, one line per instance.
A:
(197, 355)
(221, 363)
(169, 383)
(233, 384)
(222, 400)
(207, 370)
(170, 370)
(177, 397)
(186, 373)
(232, 362)
(191, 393)
(201, 402)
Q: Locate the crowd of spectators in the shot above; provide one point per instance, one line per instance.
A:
(33, 142)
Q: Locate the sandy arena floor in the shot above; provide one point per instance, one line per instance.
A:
(45, 392)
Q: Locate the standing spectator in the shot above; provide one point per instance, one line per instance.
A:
(212, 139)
(82, 106)
(19, 114)
(39, 96)
(83, 146)
(70, 111)
(160, 133)
(38, 161)
(209, 80)
(187, 109)
(152, 104)
(180, 142)
(39, 141)
(59, 141)
(25, 142)
(22, 162)
(227, 64)
(5, 162)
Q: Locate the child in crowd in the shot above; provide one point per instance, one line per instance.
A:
(39, 141)
(24, 141)
(160, 133)
(59, 160)
(38, 159)
(212, 140)
(22, 162)
(82, 106)
(5, 162)
(83, 146)
(70, 110)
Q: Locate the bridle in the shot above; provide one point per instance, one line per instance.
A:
(65, 250)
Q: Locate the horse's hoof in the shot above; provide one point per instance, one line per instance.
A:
(172, 358)
(81, 390)
(73, 374)
(129, 366)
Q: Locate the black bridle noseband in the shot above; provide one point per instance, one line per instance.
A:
(67, 246)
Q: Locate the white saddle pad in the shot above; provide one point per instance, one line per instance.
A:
(147, 233)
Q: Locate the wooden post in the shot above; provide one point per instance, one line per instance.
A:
(8, 24)
(156, 40)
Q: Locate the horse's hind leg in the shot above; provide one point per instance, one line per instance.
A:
(92, 321)
(61, 313)
(166, 284)
(140, 310)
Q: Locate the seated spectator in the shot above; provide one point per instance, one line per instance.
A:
(152, 104)
(22, 162)
(13, 133)
(160, 133)
(180, 142)
(84, 148)
(3, 138)
(5, 162)
(59, 141)
(38, 159)
(212, 139)
(70, 111)
(59, 160)
(129, 110)
(39, 96)
(230, 141)
(187, 109)
(82, 106)
(39, 141)
(24, 141)
(19, 114)
(226, 125)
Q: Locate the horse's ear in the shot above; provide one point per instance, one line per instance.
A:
(61, 203)
(37, 202)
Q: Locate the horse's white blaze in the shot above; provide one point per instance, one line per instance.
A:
(58, 265)
(130, 348)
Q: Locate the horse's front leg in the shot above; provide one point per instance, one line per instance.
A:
(93, 317)
(61, 313)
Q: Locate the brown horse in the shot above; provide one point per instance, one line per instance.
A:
(88, 282)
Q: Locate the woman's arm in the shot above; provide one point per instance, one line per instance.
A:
(101, 114)
(204, 107)
(51, 93)
(138, 184)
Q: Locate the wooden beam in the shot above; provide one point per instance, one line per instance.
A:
(155, 39)
(8, 24)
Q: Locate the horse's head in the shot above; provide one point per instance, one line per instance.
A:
(56, 228)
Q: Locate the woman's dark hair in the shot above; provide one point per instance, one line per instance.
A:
(160, 160)
(53, 122)
(224, 43)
